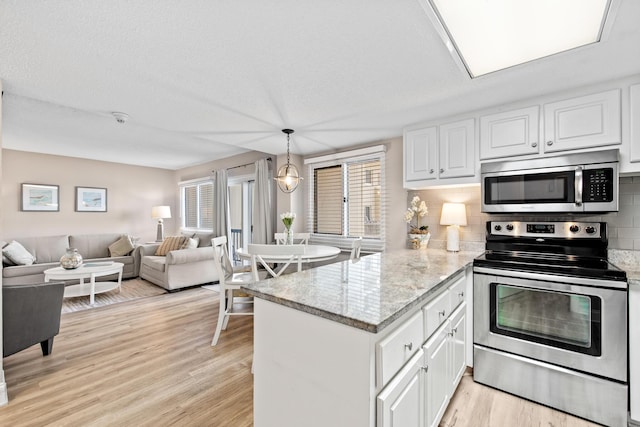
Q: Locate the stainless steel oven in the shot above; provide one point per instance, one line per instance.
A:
(585, 182)
(550, 318)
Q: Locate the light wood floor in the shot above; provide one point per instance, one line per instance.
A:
(149, 363)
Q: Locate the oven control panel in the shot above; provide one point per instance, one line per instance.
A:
(544, 229)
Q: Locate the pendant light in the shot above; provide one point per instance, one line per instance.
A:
(288, 177)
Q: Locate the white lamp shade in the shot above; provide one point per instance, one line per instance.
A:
(159, 212)
(453, 214)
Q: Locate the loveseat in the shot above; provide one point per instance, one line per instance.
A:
(179, 268)
(47, 251)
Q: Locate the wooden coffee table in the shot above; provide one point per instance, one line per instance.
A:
(90, 271)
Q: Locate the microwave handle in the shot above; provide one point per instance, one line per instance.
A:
(578, 184)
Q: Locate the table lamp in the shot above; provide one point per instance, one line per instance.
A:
(159, 213)
(454, 215)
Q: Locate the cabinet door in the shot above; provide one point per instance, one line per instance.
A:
(634, 350)
(436, 313)
(457, 340)
(457, 149)
(511, 133)
(634, 117)
(420, 154)
(437, 384)
(400, 403)
(588, 121)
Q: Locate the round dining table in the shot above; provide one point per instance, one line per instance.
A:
(312, 253)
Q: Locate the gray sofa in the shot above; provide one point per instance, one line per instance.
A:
(180, 268)
(47, 251)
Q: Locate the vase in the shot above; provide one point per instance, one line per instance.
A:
(71, 259)
(288, 234)
(418, 241)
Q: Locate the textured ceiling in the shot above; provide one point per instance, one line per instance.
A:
(204, 80)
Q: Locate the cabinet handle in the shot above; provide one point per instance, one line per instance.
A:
(425, 368)
(442, 313)
(408, 346)
(549, 142)
(455, 330)
(441, 170)
(430, 170)
(534, 144)
(461, 294)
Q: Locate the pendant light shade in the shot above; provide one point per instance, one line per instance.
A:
(288, 176)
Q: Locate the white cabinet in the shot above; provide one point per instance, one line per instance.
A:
(440, 155)
(394, 350)
(444, 365)
(421, 154)
(587, 121)
(634, 118)
(400, 404)
(510, 133)
(634, 350)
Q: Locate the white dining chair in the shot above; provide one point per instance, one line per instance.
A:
(298, 238)
(356, 244)
(230, 280)
(282, 255)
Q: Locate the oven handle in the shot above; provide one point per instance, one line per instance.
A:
(553, 278)
(578, 185)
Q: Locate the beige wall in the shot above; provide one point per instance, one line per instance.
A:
(131, 192)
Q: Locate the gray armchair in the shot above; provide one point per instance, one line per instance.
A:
(31, 315)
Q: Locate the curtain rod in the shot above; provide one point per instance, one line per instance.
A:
(245, 165)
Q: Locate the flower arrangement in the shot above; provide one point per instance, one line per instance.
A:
(287, 219)
(416, 210)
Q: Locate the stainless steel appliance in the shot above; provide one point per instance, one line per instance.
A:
(550, 318)
(583, 182)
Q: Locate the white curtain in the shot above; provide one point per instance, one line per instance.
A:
(262, 218)
(221, 205)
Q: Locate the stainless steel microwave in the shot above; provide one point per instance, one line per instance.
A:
(573, 183)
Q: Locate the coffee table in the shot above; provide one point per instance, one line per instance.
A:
(90, 271)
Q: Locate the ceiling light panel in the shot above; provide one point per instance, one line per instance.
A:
(491, 35)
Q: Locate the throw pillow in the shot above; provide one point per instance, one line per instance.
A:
(190, 243)
(205, 239)
(121, 247)
(18, 254)
(5, 260)
(169, 244)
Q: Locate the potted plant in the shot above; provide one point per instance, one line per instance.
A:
(418, 234)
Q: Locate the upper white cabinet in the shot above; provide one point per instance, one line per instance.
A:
(440, 155)
(510, 133)
(421, 154)
(587, 121)
(634, 117)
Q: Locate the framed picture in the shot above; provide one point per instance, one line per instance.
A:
(40, 198)
(89, 199)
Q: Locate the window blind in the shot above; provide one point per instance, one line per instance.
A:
(197, 204)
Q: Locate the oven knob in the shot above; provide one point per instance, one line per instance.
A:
(497, 227)
(590, 230)
(510, 227)
(574, 229)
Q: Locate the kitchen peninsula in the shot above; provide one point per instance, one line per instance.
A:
(348, 343)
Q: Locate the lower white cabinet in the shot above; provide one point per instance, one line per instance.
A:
(400, 403)
(634, 351)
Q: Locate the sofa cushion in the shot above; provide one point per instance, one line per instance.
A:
(46, 248)
(92, 246)
(205, 239)
(154, 262)
(121, 247)
(171, 243)
(18, 254)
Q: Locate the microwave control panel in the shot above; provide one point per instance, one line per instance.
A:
(597, 185)
(573, 230)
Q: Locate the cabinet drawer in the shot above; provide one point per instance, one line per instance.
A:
(456, 293)
(398, 347)
(435, 313)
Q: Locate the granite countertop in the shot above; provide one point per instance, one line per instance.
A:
(629, 261)
(368, 293)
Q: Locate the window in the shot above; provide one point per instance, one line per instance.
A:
(196, 199)
(346, 195)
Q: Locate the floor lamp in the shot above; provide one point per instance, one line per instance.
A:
(160, 213)
(454, 215)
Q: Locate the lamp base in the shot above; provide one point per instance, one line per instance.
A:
(160, 231)
(453, 238)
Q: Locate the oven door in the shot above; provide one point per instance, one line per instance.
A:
(581, 326)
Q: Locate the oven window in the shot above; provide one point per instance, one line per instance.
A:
(563, 320)
(552, 187)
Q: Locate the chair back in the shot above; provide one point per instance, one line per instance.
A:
(355, 248)
(221, 258)
(298, 238)
(282, 255)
